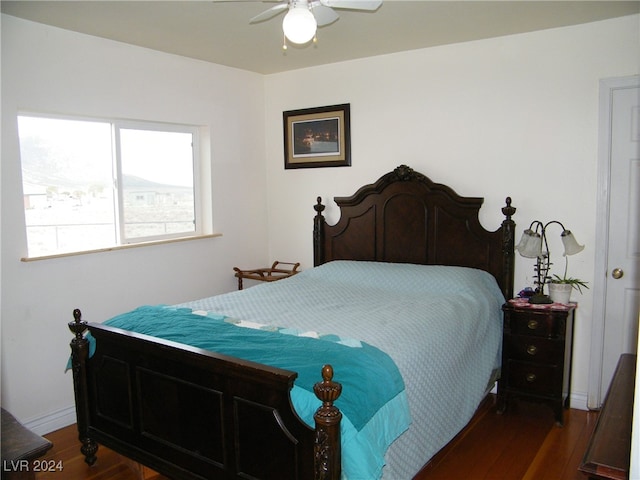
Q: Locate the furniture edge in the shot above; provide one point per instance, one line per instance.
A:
(612, 433)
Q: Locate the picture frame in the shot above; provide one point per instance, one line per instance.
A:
(317, 137)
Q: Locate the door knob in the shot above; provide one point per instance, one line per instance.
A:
(617, 273)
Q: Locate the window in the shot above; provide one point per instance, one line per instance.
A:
(94, 184)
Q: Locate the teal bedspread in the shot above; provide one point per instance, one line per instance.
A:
(369, 377)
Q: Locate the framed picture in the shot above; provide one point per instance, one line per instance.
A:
(317, 137)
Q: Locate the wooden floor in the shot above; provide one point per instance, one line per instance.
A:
(522, 444)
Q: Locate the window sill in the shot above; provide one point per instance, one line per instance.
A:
(120, 247)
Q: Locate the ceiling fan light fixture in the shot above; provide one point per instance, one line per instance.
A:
(299, 25)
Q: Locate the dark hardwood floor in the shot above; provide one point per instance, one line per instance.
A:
(522, 444)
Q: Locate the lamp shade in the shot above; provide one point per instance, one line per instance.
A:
(570, 243)
(299, 25)
(530, 245)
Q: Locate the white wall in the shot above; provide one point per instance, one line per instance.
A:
(51, 70)
(512, 116)
(509, 116)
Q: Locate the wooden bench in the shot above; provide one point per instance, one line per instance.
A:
(20, 447)
(609, 451)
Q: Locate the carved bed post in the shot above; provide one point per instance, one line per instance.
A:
(318, 234)
(79, 355)
(508, 242)
(326, 451)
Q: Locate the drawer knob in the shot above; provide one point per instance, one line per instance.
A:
(531, 377)
(533, 324)
(532, 349)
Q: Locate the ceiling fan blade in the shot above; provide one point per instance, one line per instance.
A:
(324, 15)
(353, 4)
(272, 12)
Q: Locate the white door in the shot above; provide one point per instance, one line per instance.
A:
(617, 283)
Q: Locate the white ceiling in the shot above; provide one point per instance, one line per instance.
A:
(219, 31)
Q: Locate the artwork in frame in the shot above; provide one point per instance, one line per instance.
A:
(317, 137)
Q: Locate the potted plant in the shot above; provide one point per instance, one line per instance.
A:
(560, 287)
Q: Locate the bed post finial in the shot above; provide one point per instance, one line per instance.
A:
(78, 326)
(318, 234)
(327, 456)
(79, 356)
(508, 252)
(319, 207)
(508, 210)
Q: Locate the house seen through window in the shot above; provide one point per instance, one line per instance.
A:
(93, 184)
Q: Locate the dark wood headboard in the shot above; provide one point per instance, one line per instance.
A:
(404, 217)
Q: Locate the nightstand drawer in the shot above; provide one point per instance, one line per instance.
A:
(532, 377)
(538, 325)
(534, 349)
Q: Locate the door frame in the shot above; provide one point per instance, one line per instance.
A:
(607, 86)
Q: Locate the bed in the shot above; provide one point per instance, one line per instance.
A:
(226, 407)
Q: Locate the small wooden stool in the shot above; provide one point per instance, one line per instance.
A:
(266, 274)
(20, 446)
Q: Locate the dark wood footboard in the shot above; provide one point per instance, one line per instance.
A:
(193, 414)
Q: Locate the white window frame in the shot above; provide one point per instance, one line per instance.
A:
(119, 125)
(201, 186)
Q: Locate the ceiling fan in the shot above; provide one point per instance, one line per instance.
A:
(304, 16)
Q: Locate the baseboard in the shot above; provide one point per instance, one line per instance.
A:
(579, 401)
(52, 421)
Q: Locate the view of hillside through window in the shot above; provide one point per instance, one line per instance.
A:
(71, 197)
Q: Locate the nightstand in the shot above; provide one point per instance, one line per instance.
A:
(536, 354)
